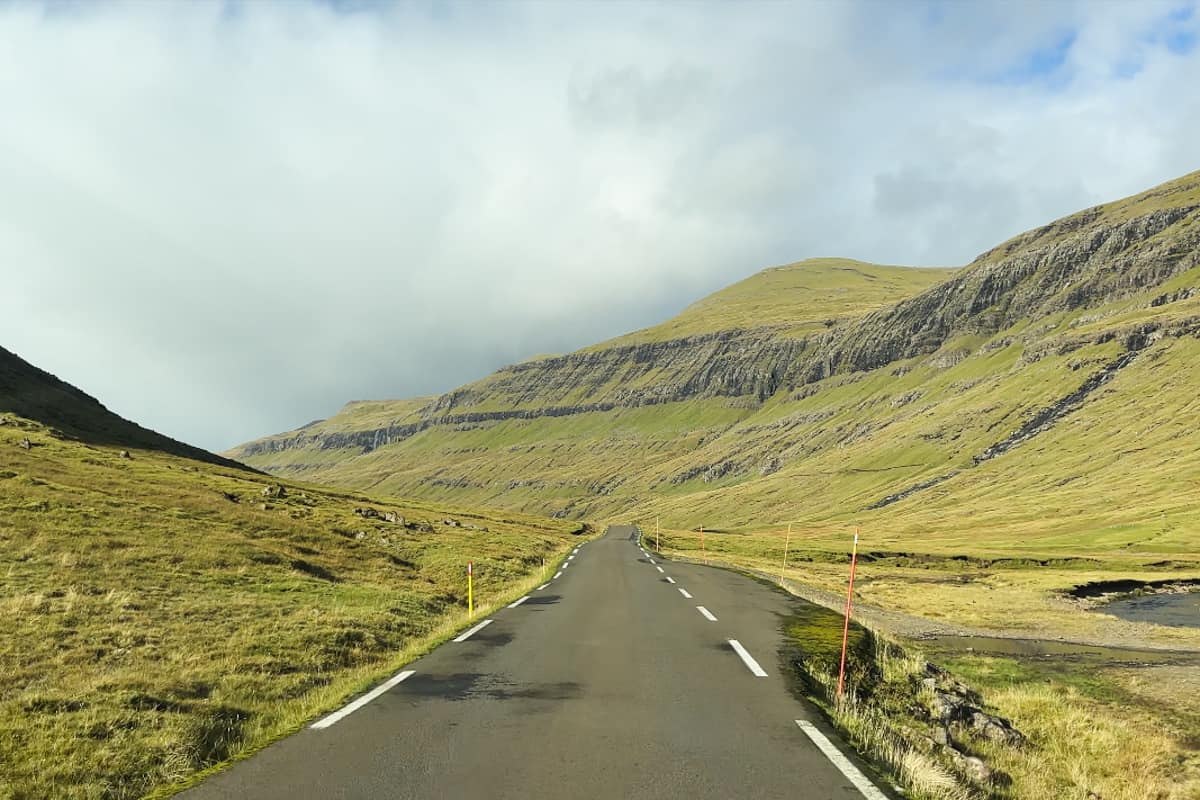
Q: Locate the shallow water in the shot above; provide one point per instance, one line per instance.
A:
(1175, 610)
(1051, 650)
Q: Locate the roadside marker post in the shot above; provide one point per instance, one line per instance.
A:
(703, 549)
(470, 588)
(657, 544)
(846, 624)
(786, 542)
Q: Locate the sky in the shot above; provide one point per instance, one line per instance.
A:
(225, 220)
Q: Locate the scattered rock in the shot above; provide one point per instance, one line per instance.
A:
(970, 766)
(26, 444)
(453, 523)
(231, 497)
(959, 705)
(263, 506)
(383, 516)
(125, 454)
(274, 490)
(996, 729)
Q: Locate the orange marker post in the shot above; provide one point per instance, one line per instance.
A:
(786, 542)
(846, 624)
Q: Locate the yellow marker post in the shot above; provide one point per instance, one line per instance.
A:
(470, 588)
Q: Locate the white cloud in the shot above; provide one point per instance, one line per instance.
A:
(225, 220)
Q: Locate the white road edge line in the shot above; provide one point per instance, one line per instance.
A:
(707, 614)
(660, 569)
(516, 603)
(860, 781)
(684, 592)
(556, 575)
(670, 579)
(751, 664)
(543, 586)
(360, 702)
(473, 631)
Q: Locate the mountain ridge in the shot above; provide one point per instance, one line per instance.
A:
(704, 426)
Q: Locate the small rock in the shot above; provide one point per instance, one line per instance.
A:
(125, 454)
(996, 729)
(262, 506)
(26, 444)
(941, 735)
(231, 497)
(360, 535)
(973, 768)
(274, 490)
(367, 513)
(393, 517)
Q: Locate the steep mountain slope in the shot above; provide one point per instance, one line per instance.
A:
(37, 395)
(161, 613)
(1002, 391)
(653, 390)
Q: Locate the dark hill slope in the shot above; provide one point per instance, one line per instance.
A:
(33, 393)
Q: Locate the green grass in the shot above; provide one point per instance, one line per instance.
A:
(151, 626)
(793, 299)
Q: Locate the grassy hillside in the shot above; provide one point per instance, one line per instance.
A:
(583, 407)
(794, 299)
(160, 614)
(832, 391)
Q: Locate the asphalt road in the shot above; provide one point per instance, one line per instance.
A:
(608, 683)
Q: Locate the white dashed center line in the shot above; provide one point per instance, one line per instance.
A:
(652, 561)
(473, 631)
(751, 664)
(660, 569)
(362, 701)
(670, 579)
(684, 592)
(516, 603)
(707, 614)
